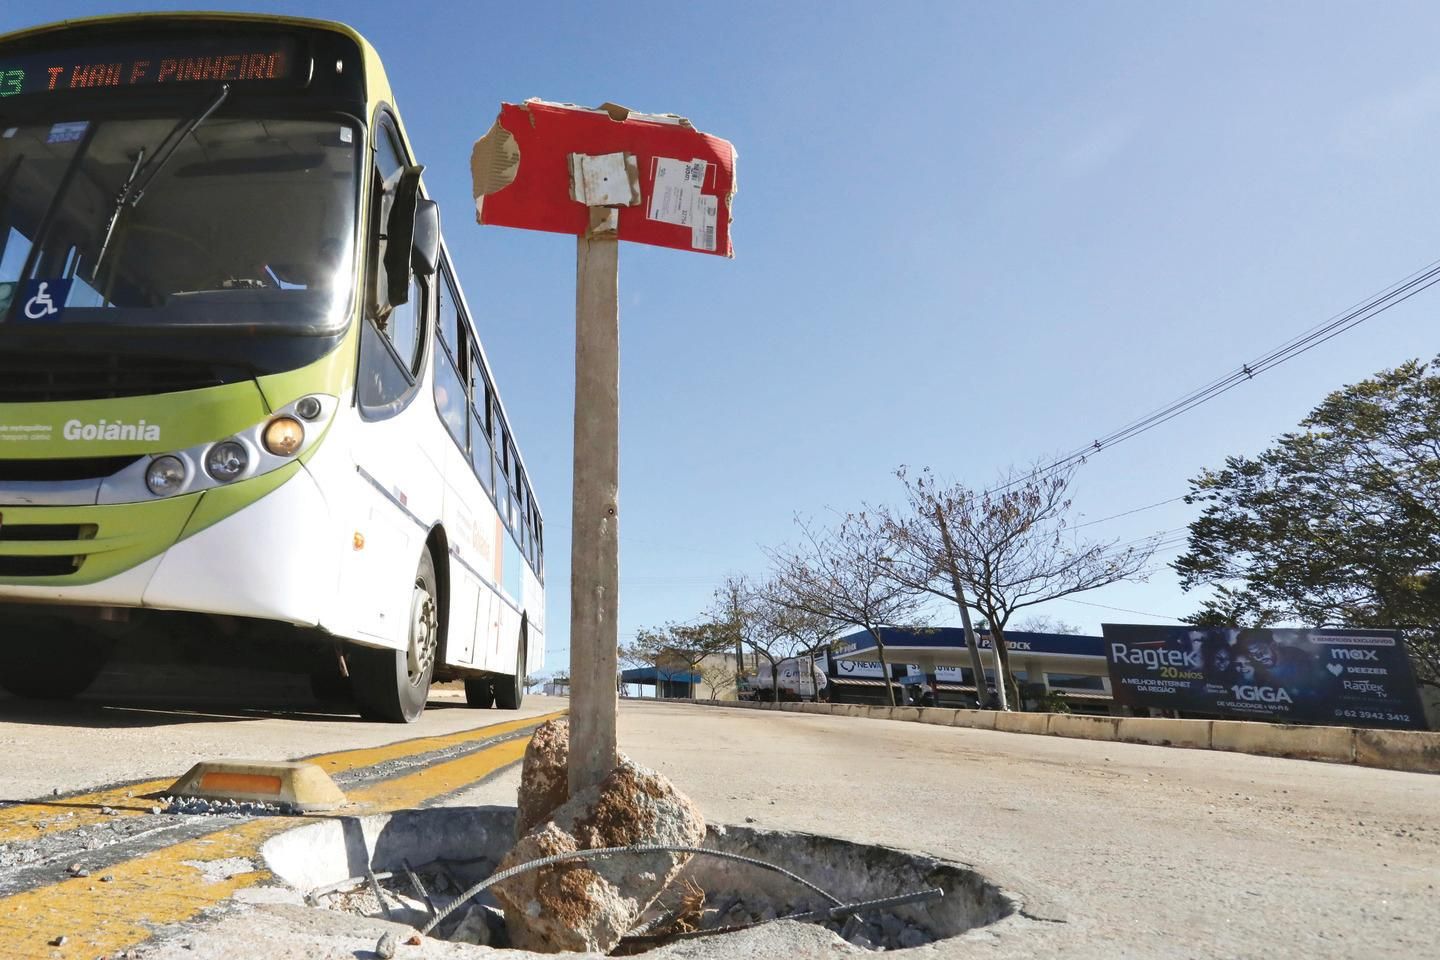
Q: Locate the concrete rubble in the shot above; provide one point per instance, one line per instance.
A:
(589, 905)
(544, 777)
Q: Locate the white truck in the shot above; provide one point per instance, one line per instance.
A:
(798, 681)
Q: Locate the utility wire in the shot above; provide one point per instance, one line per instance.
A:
(1106, 606)
(1393, 295)
(1117, 516)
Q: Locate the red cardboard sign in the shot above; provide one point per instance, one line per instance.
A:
(522, 174)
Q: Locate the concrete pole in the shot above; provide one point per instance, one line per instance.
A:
(978, 667)
(595, 543)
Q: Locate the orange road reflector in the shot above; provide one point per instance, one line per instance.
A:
(218, 781)
(298, 784)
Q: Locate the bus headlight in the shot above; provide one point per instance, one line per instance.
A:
(165, 475)
(309, 408)
(284, 436)
(227, 460)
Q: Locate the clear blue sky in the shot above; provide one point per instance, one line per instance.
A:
(967, 235)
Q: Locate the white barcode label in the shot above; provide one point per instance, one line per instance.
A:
(707, 215)
(676, 198)
(677, 184)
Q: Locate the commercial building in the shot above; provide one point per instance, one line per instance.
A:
(1046, 666)
(713, 678)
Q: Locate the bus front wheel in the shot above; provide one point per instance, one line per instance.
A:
(51, 662)
(392, 685)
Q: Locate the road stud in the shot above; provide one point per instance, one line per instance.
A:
(294, 783)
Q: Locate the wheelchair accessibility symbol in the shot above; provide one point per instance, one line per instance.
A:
(44, 301)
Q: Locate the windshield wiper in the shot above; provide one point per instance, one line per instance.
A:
(132, 191)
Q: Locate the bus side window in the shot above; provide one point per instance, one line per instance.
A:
(450, 395)
(482, 454)
(393, 349)
(502, 479)
(530, 527)
(386, 377)
(517, 484)
(447, 311)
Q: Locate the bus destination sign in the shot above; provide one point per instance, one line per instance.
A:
(118, 66)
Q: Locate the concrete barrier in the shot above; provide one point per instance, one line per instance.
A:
(1411, 750)
(1022, 722)
(1398, 749)
(940, 716)
(1336, 744)
(1083, 726)
(974, 719)
(1164, 732)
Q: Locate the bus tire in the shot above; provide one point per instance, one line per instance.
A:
(392, 685)
(479, 693)
(510, 691)
(44, 664)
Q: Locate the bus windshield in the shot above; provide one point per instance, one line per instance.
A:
(250, 222)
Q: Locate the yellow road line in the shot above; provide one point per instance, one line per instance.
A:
(442, 778)
(161, 887)
(333, 763)
(29, 821)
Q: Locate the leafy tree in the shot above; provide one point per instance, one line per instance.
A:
(1337, 523)
(680, 648)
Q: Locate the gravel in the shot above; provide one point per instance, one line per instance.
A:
(198, 807)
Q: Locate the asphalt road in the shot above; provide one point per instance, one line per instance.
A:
(126, 734)
(1117, 850)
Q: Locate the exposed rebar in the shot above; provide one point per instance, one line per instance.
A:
(829, 913)
(601, 852)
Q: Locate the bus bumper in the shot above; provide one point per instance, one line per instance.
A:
(270, 560)
(257, 549)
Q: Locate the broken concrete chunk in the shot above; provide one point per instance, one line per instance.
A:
(589, 905)
(482, 925)
(544, 778)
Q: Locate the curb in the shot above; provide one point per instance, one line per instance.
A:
(1414, 751)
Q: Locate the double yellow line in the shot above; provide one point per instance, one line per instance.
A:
(168, 886)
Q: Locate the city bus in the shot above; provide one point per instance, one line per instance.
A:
(242, 394)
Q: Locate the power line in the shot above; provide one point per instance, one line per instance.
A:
(1106, 606)
(1391, 296)
(1117, 516)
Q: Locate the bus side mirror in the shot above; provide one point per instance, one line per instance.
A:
(427, 238)
(399, 239)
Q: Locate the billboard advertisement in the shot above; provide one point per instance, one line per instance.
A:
(1350, 677)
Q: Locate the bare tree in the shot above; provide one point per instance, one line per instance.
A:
(777, 632)
(1042, 623)
(531, 682)
(727, 613)
(840, 576)
(1001, 551)
(717, 676)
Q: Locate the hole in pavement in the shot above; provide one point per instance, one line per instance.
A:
(448, 849)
